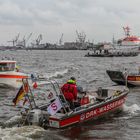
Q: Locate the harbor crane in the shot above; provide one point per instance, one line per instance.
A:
(14, 41)
(24, 41)
(61, 39)
(38, 40)
(81, 40)
(81, 37)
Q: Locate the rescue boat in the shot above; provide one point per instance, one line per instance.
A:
(91, 105)
(9, 74)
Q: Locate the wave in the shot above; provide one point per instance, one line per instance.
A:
(29, 133)
(13, 121)
(133, 109)
(25, 132)
(58, 74)
(130, 111)
(62, 73)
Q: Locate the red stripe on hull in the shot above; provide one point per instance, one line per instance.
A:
(133, 78)
(13, 76)
(69, 121)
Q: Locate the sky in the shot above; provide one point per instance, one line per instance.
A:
(100, 20)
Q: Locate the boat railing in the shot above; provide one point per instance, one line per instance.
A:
(55, 89)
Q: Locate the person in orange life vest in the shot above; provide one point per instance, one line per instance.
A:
(69, 90)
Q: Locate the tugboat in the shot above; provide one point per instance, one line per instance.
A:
(56, 112)
(10, 75)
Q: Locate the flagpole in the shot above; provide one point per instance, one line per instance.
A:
(31, 94)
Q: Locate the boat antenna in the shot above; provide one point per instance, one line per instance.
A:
(125, 75)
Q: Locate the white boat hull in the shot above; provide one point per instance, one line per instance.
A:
(12, 79)
(135, 83)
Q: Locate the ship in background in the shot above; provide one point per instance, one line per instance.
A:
(127, 46)
(129, 42)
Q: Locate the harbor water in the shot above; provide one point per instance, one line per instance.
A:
(90, 73)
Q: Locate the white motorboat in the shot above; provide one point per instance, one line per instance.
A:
(9, 74)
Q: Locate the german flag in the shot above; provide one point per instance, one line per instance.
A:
(19, 96)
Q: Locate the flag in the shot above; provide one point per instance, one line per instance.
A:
(34, 85)
(19, 95)
(54, 106)
(26, 87)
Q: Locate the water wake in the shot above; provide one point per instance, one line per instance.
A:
(21, 133)
(13, 121)
(133, 109)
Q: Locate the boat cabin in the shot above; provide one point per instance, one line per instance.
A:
(7, 66)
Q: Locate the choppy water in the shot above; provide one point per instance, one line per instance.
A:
(90, 73)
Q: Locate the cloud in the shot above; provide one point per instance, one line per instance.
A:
(98, 18)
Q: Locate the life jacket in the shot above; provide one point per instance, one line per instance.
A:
(70, 91)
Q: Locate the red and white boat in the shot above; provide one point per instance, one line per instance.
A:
(134, 79)
(9, 74)
(94, 105)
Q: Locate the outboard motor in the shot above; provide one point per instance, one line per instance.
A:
(37, 117)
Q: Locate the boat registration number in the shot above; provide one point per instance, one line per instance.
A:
(54, 123)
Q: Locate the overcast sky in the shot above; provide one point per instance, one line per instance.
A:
(99, 19)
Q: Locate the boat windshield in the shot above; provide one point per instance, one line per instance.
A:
(45, 93)
(7, 67)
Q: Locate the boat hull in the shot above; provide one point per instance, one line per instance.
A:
(119, 78)
(12, 79)
(134, 80)
(90, 113)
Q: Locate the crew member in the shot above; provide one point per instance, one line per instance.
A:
(17, 68)
(69, 90)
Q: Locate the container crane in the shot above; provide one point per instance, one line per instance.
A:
(38, 40)
(14, 41)
(81, 36)
(25, 40)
